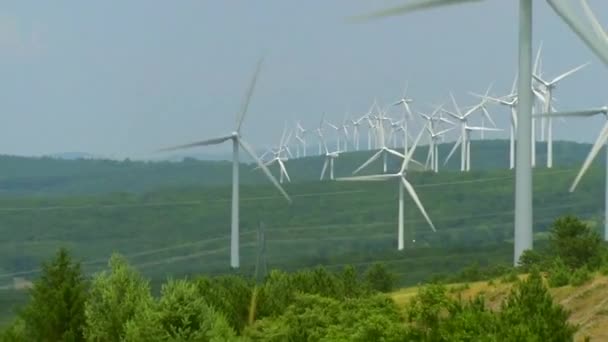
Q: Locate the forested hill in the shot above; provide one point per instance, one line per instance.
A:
(55, 176)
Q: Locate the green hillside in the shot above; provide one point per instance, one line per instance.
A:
(182, 227)
(48, 176)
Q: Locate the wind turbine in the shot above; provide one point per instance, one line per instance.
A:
(462, 140)
(319, 132)
(356, 124)
(509, 101)
(237, 141)
(279, 159)
(301, 138)
(330, 157)
(601, 141)
(433, 154)
(523, 172)
(547, 99)
(383, 151)
(404, 184)
(485, 113)
(405, 102)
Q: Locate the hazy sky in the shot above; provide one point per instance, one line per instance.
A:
(122, 78)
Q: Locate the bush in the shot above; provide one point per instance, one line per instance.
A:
(510, 277)
(531, 258)
(580, 276)
(576, 243)
(559, 274)
(529, 314)
(378, 278)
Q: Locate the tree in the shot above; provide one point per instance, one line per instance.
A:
(186, 316)
(576, 243)
(56, 310)
(115, 298)
(379, 278)
(529, 313)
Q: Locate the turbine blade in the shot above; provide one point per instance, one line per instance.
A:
(395, 153)
(478, 128)
(366, 178)
(415, 5)
(597, 146)
(241, 116)
(455, 105)
(597, 45)
(410, 153)
(274, 181)
(207, 142)
(568, 73)
(597, 27)
(369, 161)
(324, 167)
(584, 113)
(414, 196)
(487, 115)
(458, 142)
(536, 62)
(284, 170)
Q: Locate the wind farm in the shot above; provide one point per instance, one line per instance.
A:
(339, 196)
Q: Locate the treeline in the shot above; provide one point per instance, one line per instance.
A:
(118, 304)
(52, 176)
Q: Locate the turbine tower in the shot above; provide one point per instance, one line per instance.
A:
(523, 168)
(237, 141)
(403, 184)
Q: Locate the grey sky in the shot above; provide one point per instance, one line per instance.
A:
(122, 78)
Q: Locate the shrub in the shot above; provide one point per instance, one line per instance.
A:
(559, 274)
(378, 278)
(580, 276)
(529, 314)
(575, 243)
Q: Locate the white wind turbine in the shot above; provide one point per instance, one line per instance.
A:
(330, 158)
(319, 132)
(433, 154)
(462, 139)
(301, 138)
(404, 184)
(509, 101)
(356, 124)
(383, 151)
(523, 173)
(237, 140)
(600, 142)
(405, 102)
(547, 100)
(279, 159)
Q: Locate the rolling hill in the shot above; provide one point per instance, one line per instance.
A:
(172, 219)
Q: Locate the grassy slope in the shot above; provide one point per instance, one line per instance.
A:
(588, 303)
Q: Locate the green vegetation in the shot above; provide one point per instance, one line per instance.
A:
(185, 230)
(49, 176)
(309, 305)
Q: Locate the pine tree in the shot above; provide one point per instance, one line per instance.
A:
(55, 311)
